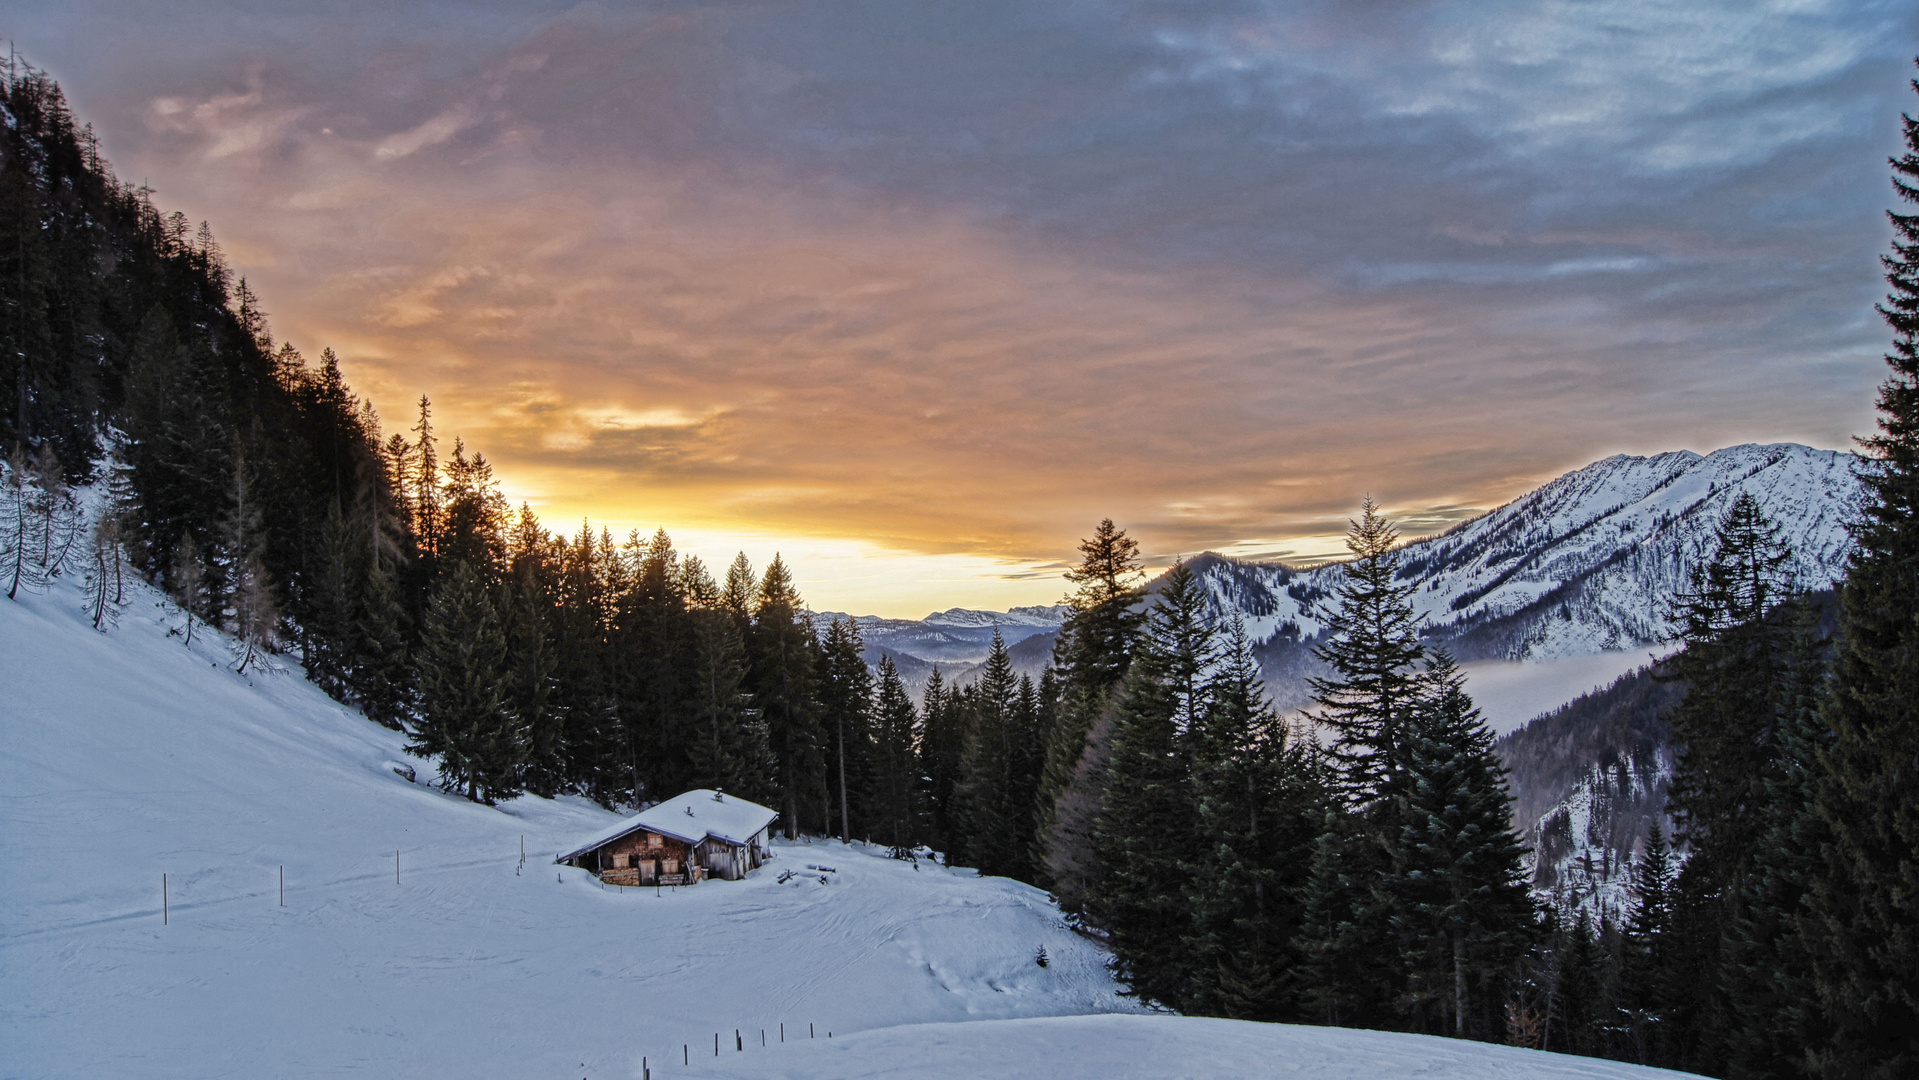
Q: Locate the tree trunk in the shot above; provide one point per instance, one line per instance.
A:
(1459, 986)
(846, 828)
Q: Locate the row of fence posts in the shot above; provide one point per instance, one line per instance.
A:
(166, 918)
(739, 1046)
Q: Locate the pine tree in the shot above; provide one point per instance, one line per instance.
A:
(1578, 1006)
(893, 791)
(781, 672)
(1146, 824)
(527, 685)
(1029, 721)
(1867, 907)
(1354, 961)
(1373, 651)
(1646, 963)
(1457, 886)
(1258, 805)
(1093, 652)
(846, 703)
(1350, 971)
(1730, 665)
(382, 669)
(1766, 965)
(942, 745)
(253, 612)
(985, 796)
(326, 633)
(464, 719)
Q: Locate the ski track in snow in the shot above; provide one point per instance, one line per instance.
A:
(127, 755)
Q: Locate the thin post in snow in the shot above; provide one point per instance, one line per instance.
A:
(782, 1031)
(645, 1073)
(809, 1030)
(164, 915)
(762, 1036)
(283, 886)
(685, 1055)
(396, 866)
(739, 1044)
(716, 1044)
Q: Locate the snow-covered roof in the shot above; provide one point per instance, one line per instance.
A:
(689, 818)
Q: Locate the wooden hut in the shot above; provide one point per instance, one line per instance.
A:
(681, 841)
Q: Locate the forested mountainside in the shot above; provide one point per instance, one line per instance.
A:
(1589, 780)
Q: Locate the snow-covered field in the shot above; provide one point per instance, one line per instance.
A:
(127, 756)
(1168, 1047)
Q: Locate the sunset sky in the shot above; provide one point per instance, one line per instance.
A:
(915, 293)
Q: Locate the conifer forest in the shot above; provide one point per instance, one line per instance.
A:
(1353, 865)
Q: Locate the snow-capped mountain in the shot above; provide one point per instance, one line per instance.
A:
(956, 639)
(1582, 565)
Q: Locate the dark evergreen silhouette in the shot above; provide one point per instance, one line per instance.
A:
(1866, 906)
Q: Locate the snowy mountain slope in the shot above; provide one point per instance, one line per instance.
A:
(1579, 566)
(1155, 1047)
(127, 756)
(955, 638)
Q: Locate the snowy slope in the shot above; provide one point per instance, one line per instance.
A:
(126, 756)
(1580, 566)
(1156, 1047)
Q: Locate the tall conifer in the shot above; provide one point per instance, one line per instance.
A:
(1868, 905)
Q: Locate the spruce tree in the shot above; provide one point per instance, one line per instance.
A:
(1647, 991)
(783, 678)
(464, 719)
(1373, 648)
(1093, 653)
(893, 786)
(382, 670)
(1369, 700)
(1867, 906)
(1259, 802)
(1724, 726)
(1457, 887)
(1774, 1021)
(1146, 825)
(985, 796)
(846, 704)
(1579, 1006)
(942, 745)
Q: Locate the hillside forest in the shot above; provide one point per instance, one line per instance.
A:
(1360, 872)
